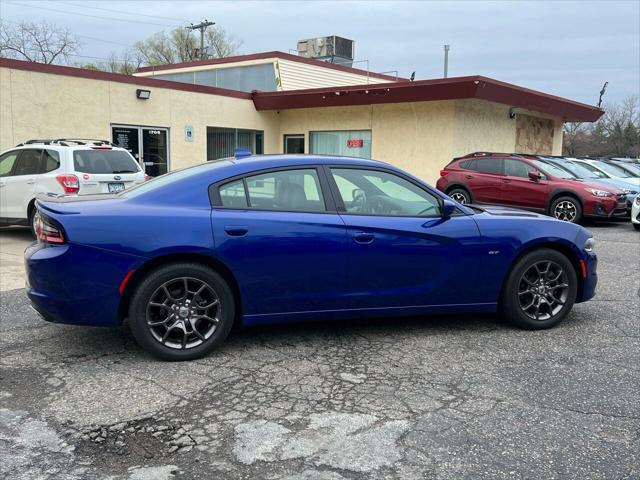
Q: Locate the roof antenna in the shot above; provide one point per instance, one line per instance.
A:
(412, 77)
(604, 89)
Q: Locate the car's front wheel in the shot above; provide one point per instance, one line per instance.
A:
(540, 290)
(567, 209)
(181, 311)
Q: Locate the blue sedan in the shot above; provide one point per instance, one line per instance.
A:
(267, 239)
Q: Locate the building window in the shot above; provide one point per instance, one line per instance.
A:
(294, 144)
(245, 79)
(352, 143)
(222, 142)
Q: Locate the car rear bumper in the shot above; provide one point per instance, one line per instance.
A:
(76, 284)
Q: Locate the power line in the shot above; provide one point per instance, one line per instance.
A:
(91, 16)
(202, 26)
(119, 11)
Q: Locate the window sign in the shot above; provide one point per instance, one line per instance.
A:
(188, 133)
(353, 143)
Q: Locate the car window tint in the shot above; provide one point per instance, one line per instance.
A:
(233, 195)
(6, 163)
(50, 161)
(516, 168)
(613, 170)
(488, 165)
(28, 162)
(286, 190)
(375, 192)
(469, 164)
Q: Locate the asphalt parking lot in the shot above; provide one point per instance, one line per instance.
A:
(445, 397)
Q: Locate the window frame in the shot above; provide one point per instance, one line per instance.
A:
(325, 190)
(19, 159)
(342, 210)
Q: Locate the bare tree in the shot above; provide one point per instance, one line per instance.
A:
(126, 64)
(37, 42)
(180, 45)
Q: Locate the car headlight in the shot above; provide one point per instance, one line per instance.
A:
(637, 201)
(599, 193)
(589, 245)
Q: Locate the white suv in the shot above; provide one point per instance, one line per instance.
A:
(64, 167)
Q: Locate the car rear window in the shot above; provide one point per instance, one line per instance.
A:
(104, 161)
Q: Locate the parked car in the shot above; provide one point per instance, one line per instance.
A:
(530, 183)
(612, 170)
(284, 238)
(631, 167)
(64, 167)
(595, 176)
(635, 213)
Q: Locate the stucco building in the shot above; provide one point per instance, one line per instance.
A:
(275, 102)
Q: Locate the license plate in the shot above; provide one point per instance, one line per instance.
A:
(116, 187)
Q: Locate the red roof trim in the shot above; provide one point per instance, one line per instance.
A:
(116, 77)
(273, 54)
(479, 87)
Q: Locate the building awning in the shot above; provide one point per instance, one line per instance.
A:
(478, 87)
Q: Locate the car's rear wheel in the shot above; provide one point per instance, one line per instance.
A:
(33, 220)
(567, 209)
(181, 311)
(636, 226)
(460, 195)
(540, 290)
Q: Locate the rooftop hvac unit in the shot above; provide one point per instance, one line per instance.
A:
(332, 49)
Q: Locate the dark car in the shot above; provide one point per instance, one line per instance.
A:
(283, 238)
(527, 182)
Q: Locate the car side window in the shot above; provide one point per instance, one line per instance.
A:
(7, 161)
(233, 195)
(50, 161)
(382, 193)
(516, 168)
(488, 165)
(28, 162)
(286, 190)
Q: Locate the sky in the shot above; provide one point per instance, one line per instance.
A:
(566, 48)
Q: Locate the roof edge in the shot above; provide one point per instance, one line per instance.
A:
(271, 54)
(118, 77)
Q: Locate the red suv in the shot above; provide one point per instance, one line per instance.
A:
(526, 181)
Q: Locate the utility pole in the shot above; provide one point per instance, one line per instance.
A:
(202, 26)
(446, 61)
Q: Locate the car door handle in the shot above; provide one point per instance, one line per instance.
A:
(236, 231)
(468, 176)
(30, 182)
(506, 180)
(363, 237)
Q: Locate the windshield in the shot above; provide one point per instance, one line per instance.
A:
(613, 170)
(104, 161)
(163, 180)
(552, 169)
(580, 171)
(630, 167)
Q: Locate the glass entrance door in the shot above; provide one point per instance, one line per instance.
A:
(148, 145)
(155, 151)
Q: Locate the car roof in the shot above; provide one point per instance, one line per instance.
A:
(236, 166)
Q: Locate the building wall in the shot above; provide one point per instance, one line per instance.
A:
(39, 105)
(421, 137)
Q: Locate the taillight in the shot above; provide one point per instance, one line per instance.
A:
(146, 177)
(70, 183)
(443, 172)
(47, 232)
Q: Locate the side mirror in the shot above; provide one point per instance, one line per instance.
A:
(535, 176)
(448, 208)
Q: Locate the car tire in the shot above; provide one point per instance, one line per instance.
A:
(636, 226)
(553, 301)
(31, 220)
(460, 195)
(567, 209)
(171, 321)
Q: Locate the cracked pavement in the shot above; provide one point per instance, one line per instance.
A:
(434, 397)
